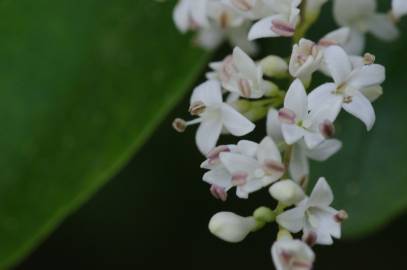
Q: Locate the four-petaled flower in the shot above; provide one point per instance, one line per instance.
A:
(314, 216)
(346, 91)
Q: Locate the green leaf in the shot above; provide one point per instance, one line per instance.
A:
(82, 85)
(369, 175)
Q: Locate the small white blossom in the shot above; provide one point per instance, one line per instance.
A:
(399, 8)
(305, 59)
(191, 14)
(299, 121)
(214, 114)
(240, 74)
(282, 23)
(314, 216)
(345, 92)
(361, 17)
(218, 176)
(248, 173)
(231, 227)
(290, 254)
(287, 192)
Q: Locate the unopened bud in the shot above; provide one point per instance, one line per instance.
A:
(341, 216)
(310, 238)
(179, 125)
(369, 59)
(327, 129)
(197, 108)
(274, 66)
(287, 192)
(231, 227)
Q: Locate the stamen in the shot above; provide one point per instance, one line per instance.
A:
(239, 178)
(286, 116)
(224, 20)
(197, 108)
(243, 5)
(282, 28)
(213, 155)
(272, 167)
(326, 42)
(179, 125)
(341, 216)
(310, 238)
(327, 129)
(218, 193)
(369, 59)
(244, 87)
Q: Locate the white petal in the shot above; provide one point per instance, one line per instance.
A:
(356, 43)
(250, 187)
(219, 176)
(381, 26)
(321, 195)
(338, 64)
(238, 163)
(199, 12)
(268, 150)
(209, 38)
(340, 36)
(313, 139)
(262, 28)
(208, 134)
(244, 64)
(208, 92)
(327, 226)
(234, 122)
(372, 93)
(299, 166)
(366, 76)
(293, 219)
(292, 133)
(273, 126)
(399, 7)
(347, 12)
(361, 108)
(324, 94)
(296, 99)
(181, 16)
(325, 150)
(247, 148)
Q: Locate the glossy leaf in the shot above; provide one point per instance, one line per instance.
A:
(82, 85)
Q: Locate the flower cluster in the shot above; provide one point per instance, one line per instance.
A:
(300, 118)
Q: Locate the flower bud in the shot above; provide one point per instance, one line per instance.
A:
(287, 192)
(274, 66)
(231, 227)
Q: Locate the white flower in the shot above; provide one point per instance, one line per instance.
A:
(214, 114)
(248, 173)
(218, 176)
(399, 8)
(240, 74)
(314, 216)
(289, 254)
(287, 192)
(361, 17)
(283, 23)
(345, 92)
(230, 227)
(251, 9)
(191, 14)
(305, 59)
(298, 121)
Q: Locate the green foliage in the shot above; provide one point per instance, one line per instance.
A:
(82, 85)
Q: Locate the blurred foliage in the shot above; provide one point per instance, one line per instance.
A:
(82, 85)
